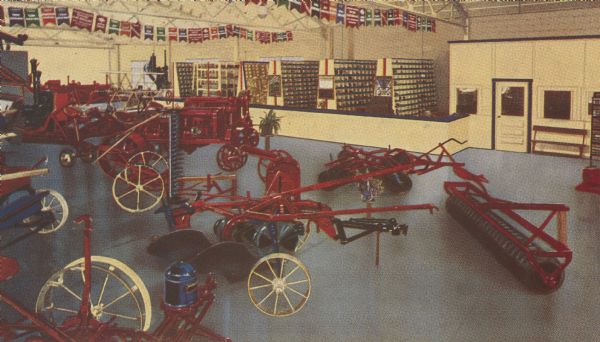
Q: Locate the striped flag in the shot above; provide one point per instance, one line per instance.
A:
(48, 16)
(341, 13)
(325, 8)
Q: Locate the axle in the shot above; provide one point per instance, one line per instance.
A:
(369, 225)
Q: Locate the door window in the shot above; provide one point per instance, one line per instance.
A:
(513, 101)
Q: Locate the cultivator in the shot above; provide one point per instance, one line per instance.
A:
(536, 258)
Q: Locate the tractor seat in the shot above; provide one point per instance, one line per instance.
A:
(8, 268)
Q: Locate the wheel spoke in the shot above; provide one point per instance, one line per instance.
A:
(292, 272)
(260, 286)
(102, 290)
(271, 268)
(267, 296)
(117, 299)
(262, 276)
(297, 282)
(152, 180)
(276, 301)
(149, 193)
(287, 299)
(281, 268)
(137, 204)
(298, 293)
(64, 310)
(69, 291)
(127, 193)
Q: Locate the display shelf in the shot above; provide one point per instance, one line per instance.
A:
(354, 84)
(216, 79)
(300, 84)
(595, 136)
(229, 74)
(256, 81)
(185, 78)
(414, 86)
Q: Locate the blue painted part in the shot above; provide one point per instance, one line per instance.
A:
(181, 285)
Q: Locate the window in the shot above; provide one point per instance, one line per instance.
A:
(466, 101)
(513, 101)
(557, 104)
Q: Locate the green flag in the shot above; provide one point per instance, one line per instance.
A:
(283, 3)
(250, 35)
(114, 26)
(32, 17)
(160, 34)
(369, 17)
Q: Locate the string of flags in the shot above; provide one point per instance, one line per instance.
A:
(356, 16)
(73, 17)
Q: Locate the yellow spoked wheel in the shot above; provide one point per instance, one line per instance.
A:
(118, 295)
(138, 188)
(279, 285)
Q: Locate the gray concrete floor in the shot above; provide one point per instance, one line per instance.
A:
(436, 284)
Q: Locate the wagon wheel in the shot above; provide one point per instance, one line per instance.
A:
(250, 136)
(263, 163)
(231, 158)
(279, 285)
(150, 159)
(116, 159)
(138, 188)
(117, 295)
(55, 204)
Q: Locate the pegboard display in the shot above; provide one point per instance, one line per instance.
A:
(256, 81)
(354, 84)
(300, 84)
(206, 79)
(414, 86)
(185, 78)
(595, 143)
(229, 74)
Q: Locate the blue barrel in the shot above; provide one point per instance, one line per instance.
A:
(181, 285)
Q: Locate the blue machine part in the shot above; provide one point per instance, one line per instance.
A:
(18, 210)
(181, 285)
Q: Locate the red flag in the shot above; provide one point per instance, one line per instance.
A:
(48, 16)
(101, 23)
(229, 30)
(172, 33)
(243, 33)
(432, 25)
(136, 29)
(206, 33)
(195, 35)
(82, 19)
(125, 28)
(305, 6)
(397, 17)
(384, 18)
(289, 35)
(214, 32)
(352, 16)
(325, 7)
(412, 22)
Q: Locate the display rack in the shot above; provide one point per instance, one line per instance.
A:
(354, 84)
(256, 81)
(185, 78)
(229, 74)
(414, 86)
(300, 84)
(206, 79)
(595, 140)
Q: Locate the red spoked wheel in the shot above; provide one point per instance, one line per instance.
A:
(113, 159)
(263, 163)
(231, 158)
(250, 136)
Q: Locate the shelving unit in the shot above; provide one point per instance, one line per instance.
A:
(354, 84)
(185, 78)
(229, 75)
(256, 81)
(414, 86)
(206, 79)
(595, 140)
(300, 84)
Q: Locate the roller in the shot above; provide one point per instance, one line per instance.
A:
(518, 260)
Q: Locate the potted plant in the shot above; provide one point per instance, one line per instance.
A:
(269, 126)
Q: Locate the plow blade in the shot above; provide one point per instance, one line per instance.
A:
(233, 260)
(179, 245)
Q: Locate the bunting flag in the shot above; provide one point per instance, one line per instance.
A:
(316, 9)
(136, 30)
(148, 32)
(2, 21)
(384, 18)
(172, 33)
(419, 23)
(362, 16)
(325, 8)
(194, 35)
(376, 17)
(405, 19)
(114, 26)
(161, 34)
(243, 33)
(32, 17)
(82, 19)
(125, 28)
(341, 13)
(274, 37)
(214, 33)
(206, 33)
(289, 36)
(222, 32)
(16, 16)
(250, 35)
(305, 6)
(432, 22)
(352, 16)
(229, 30)
(183, 35)
(101, 23)
(398, 17)
(369, 17)
(282, 3)
(236, 31)
(412, 22)
(62, 16)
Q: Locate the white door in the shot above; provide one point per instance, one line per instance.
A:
(512, 107)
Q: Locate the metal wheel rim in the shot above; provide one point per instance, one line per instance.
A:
(276, 285)
(56, 203)
(141, 188)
